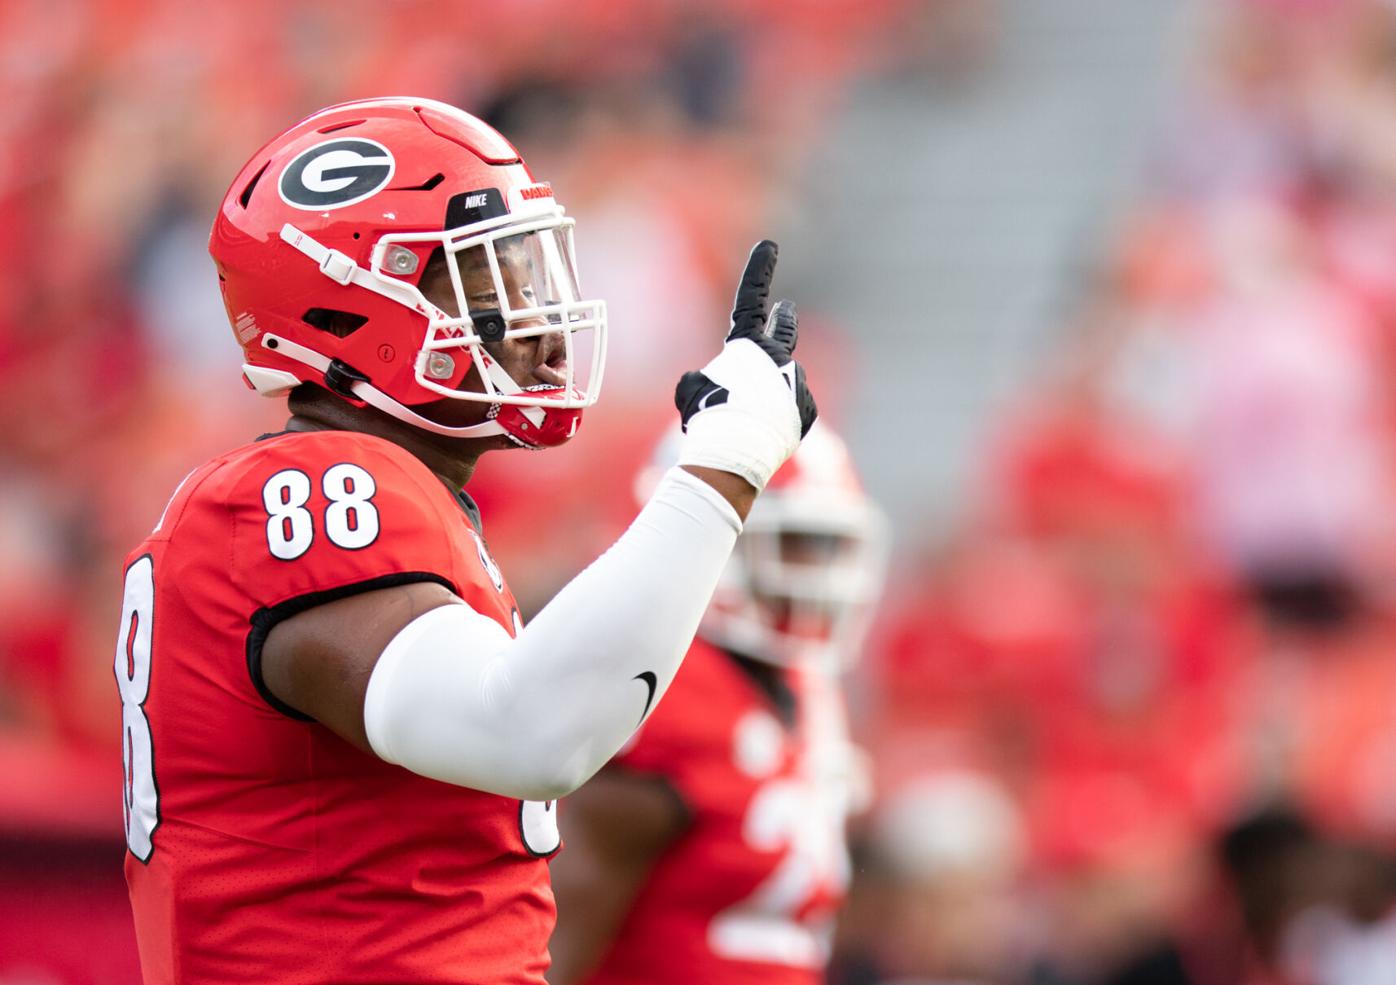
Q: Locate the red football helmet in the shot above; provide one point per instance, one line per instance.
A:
(805, 572)
(322, 241)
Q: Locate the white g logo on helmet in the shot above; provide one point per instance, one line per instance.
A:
(336, 173)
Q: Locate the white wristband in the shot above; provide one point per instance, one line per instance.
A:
(757, 428)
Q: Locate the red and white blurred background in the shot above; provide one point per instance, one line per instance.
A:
(1103, 294)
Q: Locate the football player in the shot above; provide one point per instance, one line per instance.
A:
(712, 848)
(342, 746)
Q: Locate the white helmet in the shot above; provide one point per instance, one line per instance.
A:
(802, 580)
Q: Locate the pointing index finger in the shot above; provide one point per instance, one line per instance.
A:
(749, 306)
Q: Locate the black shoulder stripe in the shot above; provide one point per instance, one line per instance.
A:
(266, 619)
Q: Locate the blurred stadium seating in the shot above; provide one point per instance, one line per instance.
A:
(1104, 294)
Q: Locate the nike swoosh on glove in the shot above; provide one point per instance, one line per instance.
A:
(746, 411)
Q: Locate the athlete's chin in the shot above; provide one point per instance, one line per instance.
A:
(455, 413)
(503, 442)
(554, 442)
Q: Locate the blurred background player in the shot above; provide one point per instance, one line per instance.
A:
(712, 849)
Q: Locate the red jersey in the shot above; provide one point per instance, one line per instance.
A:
(262, 847)
(748, 892)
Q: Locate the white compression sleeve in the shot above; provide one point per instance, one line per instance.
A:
(453, 697)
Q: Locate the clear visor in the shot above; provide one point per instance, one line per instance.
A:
(514, 282)
(518, 274)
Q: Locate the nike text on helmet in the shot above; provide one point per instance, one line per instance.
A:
(323, 239)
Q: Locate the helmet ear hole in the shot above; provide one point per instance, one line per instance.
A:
(340, 324)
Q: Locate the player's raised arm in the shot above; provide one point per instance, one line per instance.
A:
(452, 696)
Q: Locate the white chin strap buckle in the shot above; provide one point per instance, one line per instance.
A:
(338, 267)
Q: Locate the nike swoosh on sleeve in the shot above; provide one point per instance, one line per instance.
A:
(652, 683)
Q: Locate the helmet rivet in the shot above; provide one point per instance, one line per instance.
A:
(400, 260)
(440, 366)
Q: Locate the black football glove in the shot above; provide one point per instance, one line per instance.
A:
(746, 411)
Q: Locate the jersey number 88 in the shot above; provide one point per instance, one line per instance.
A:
(351, 519)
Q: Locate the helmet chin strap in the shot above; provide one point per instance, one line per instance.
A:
(506, 385)
(375, 397)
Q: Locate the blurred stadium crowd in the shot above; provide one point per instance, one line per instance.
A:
(1132, 718)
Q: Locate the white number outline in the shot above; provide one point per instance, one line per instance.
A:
(294, 482)
(140, 807)
(487, 562)
(337, 512)
(538, 827)
(334, 484)
(789, 814)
